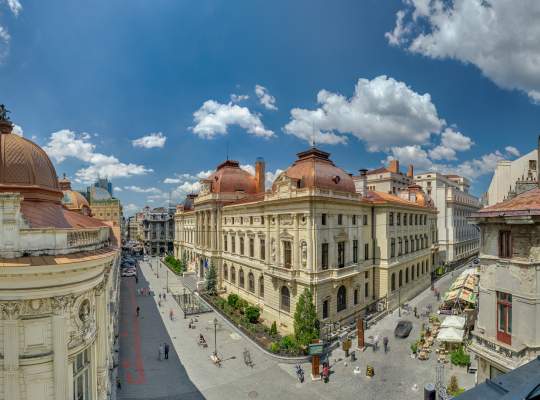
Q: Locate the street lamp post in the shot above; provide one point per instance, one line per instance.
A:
(215, 337)
(399, 301)
(167, 280)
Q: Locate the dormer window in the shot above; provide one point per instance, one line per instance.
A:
(336, 179)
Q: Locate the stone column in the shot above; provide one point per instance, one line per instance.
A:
(296, 242)
(212, 230)
(311, 255)
(61, 306)
(278, 242)
(102, 346)
(267, 240)
(10, 313)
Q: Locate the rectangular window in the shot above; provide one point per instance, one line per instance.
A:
(355, 250)
(324, 256)
(354, 219)
(505, 244)
(391, 219)
(341, 254)
(225, 242)
(392, 247)
(366, 251)
(325, 309)
(399, 218)
(251, 220)
(233, 242)
(323, 219)
(365, 219)
(340, 219)
(262, 220)
(366, 289)
(504, 317)
(242, 246)
(355, 296)
(251, 247)
(410, 219)
(416, 219)
(287, 254)
(262, 243)
(405, 219)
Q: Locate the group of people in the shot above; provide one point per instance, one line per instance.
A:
(162, 297)
(376, 343)
(144, 291)
(163, 352)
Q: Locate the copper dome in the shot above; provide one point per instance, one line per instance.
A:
(26, 168)
(230, 178)
(314, 169)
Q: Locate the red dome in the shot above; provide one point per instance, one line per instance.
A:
(230, 178)
(314, 169)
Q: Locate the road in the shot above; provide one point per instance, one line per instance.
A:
(190, 373)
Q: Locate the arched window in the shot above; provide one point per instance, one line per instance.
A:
(251, 282)
(406, 275)
(400, 278)
(225, 272)
(241, 277)
(285, 299)
(341, 299)
(261, 286)
(393, 286)
(233, 275)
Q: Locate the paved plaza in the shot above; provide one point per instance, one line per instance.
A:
(190, 374)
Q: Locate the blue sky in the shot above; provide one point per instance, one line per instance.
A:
(412, 80)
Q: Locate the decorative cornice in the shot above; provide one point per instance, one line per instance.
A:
(10, 310)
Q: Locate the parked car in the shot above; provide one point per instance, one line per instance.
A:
(403, 329)
(129, 273)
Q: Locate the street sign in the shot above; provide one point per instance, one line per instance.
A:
(316, 349)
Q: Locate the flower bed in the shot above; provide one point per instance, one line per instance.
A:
(176, 266)
(247, 318)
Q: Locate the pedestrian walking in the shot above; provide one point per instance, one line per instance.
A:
(136, 279)
(166, 347)
(171, 314)
(385, 343)
(118, 383)
(159, 303)
(376, 343)
(161, 351)
(415, 312)
(164, 296)
(138, 310)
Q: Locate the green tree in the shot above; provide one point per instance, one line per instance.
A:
(252, 314)
(273, 329)
(211, 281)
(306, 324)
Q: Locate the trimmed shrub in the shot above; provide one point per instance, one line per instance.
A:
(252, 314)
(459, 357)
(273, 329)
(288, 343)
(274, 347)
(232, 300)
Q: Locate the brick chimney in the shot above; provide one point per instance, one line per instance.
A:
(394, 166)
(363, 180)
(260, 174)
(410, 171)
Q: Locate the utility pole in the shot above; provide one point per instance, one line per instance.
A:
(215, 337)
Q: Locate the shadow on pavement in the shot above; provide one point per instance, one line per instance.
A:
(142, 374)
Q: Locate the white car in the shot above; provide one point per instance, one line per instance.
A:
(129, 273)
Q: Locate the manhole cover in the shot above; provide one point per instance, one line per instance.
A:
(253, 394)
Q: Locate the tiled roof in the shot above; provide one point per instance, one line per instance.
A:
(526, 203)
(382, 198)
(52, 215)
(381, 170)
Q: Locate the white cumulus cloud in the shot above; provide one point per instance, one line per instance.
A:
(237, 98)
(500, 37)
(511, 150)
(65, 144)
(17, 130)
(138, 189)
(382, 112)
(214, 118)
(150, 141)
(265, 98)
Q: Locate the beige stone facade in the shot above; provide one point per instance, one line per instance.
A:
(270, 246)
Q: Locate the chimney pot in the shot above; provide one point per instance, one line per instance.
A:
(394, 166)
(260, 174)
(410, 171)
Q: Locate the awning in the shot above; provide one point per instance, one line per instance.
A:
(453, 321)
(451, 335)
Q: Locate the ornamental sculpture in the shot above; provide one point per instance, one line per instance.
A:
(4, 113)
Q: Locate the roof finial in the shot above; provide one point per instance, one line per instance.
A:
(4, 113)
(312, 136)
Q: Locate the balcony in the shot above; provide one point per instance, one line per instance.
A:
(283, 273)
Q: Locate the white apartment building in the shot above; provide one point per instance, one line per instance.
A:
(508, 173)
(457, 239)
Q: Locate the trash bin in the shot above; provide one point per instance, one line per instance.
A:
(353, 356)
(429, 392)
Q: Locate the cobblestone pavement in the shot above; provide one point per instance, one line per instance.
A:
(397, 376)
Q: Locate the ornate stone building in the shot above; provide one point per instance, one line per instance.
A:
(157, 230)
(506, 334)
(58, 284)
(311, 230)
